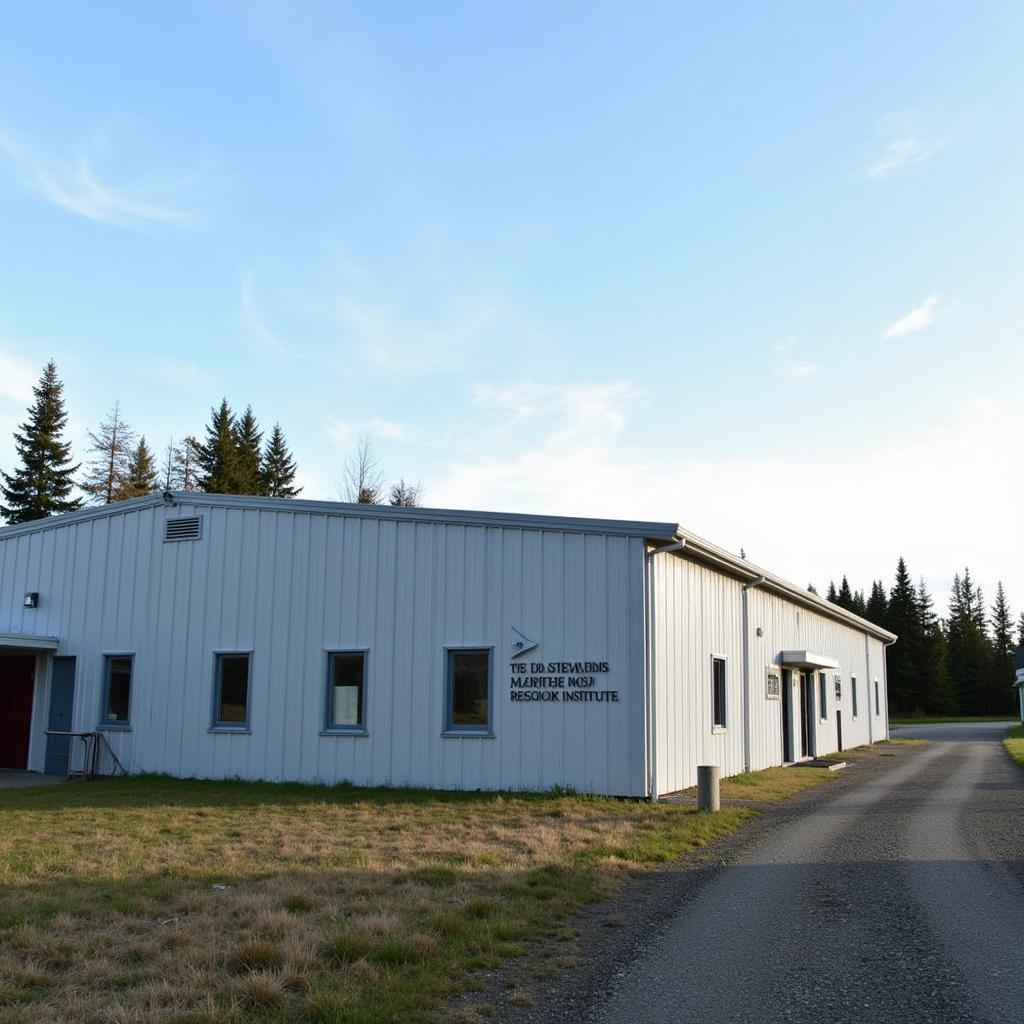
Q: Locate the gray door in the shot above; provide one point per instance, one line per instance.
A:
(62, 699)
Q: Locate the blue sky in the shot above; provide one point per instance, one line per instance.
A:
(753, 268)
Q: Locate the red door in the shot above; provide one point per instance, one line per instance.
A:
(16, 684)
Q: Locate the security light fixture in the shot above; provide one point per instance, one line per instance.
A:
(31, 600)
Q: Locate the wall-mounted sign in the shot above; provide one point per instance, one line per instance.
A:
(521, 643)
(559, 682)
(772, 685)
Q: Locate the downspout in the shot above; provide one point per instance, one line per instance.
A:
(746, 672)
(885, 680)
(649, 669)
(871, 704)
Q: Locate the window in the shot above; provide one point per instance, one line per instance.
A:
(231, 701)
(718, 692)
(469, 691)
(823, 695)
(117, 691)
(853, 695)
(878, 706)
(346, 688)
(838, 680)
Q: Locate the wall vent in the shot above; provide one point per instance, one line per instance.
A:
(183, 529)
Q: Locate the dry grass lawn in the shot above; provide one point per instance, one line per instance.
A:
(155, 901)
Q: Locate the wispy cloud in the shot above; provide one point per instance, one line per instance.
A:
(253, 320)
(73, 182)
(608, 474)
(904, 142)
(799, 369)
(917, 319)
(402, 344)
(789, 364)
(177, 373)
(17, 377)
(344, 433)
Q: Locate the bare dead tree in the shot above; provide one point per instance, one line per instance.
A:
(363, 480)
(112, 446)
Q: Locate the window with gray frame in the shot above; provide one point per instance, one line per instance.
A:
(853, 695)
(117, 690)
(823, 695)
(878, 706)
(231, 693)
(718, 693)
(469, 690)
(346, 695)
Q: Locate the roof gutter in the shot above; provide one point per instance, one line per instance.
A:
(718, 557)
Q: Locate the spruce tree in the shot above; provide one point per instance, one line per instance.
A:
(970, 653)
(1020, 630)
(904, 657)
(248, 477)
(405, 495)
(938, 696)
(832, 594)
(141, 475)
(877, 607)
(41, 486)
(860, 606)
(278, 468)
(1003, 674)
(112, 445)
(217, 457)
(845, 597)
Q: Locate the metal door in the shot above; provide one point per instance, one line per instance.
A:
(62, 699)
(17, 685)
(805, 716)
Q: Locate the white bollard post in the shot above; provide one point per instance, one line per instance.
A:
(707, 787)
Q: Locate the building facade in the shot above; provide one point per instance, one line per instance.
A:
(219, 636)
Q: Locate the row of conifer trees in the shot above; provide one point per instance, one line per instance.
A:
(233, 458)
(959, 664)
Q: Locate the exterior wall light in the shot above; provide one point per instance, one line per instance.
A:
(31, 600)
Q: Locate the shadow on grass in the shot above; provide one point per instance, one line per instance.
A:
(167, 791)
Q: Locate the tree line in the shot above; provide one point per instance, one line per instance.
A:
(960, 664)
(234, 456)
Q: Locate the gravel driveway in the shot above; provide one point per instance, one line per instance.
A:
(897, 896)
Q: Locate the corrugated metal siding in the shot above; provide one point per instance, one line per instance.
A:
(288, 586)
(697, 613)
(787, 626)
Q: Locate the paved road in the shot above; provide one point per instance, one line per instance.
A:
(901, 900)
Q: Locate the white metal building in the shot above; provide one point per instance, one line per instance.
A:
(217, 636)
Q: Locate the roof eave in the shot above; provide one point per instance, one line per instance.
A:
(706, 551)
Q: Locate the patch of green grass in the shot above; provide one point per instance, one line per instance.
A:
(1014, 743)
(962, 720)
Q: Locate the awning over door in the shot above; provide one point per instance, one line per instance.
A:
(28, 642)
(808, 659)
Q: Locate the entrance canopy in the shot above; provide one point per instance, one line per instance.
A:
(808, 659)
(27, 642)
